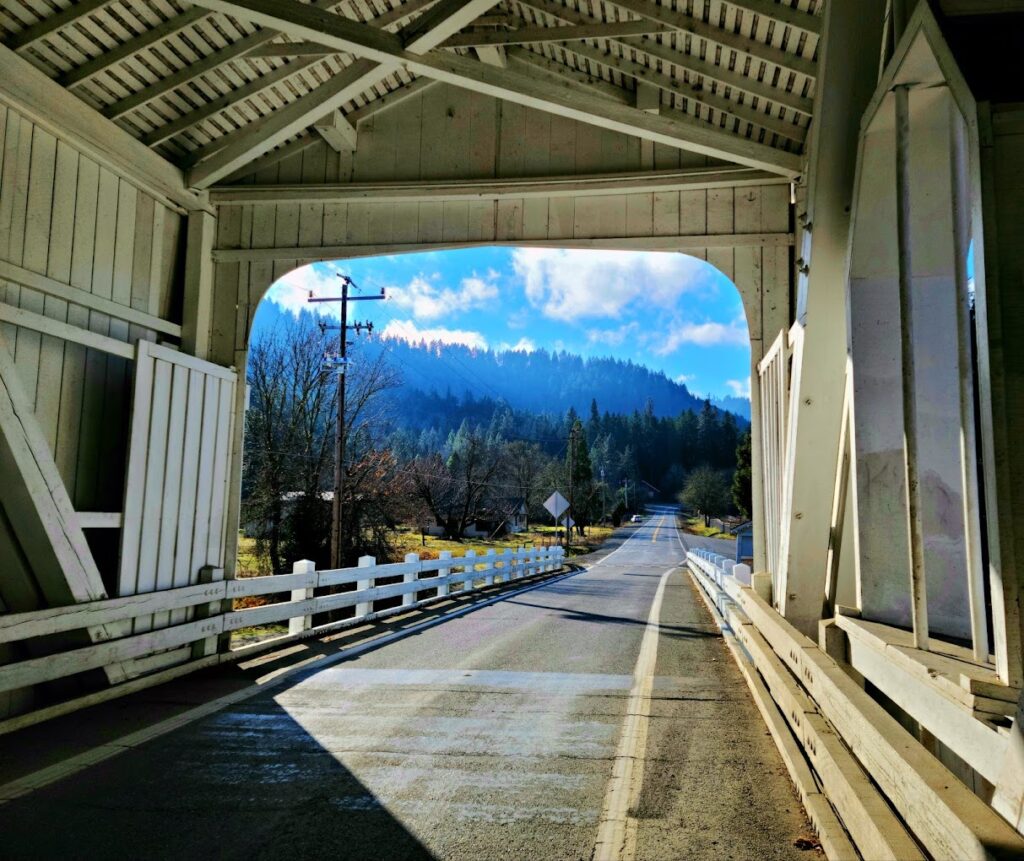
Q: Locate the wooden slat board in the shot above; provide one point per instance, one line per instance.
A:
(70, 228)
(177, 486)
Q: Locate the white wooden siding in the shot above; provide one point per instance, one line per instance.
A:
(90, 232)
(177, 488)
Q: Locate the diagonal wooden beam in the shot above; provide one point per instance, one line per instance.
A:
(225, 155)
(258, 85)
(241, 146)
(441, 21)
(30, 35)
(87, 71)
(302, 21)
(242, 48)
(530, 35)
(727, 39)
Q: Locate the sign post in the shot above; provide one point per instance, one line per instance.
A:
(557, 505)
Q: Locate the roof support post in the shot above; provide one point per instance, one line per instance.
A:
(848, 71)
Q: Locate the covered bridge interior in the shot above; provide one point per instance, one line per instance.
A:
(854, 166)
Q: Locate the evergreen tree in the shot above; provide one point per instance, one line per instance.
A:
(742, 479)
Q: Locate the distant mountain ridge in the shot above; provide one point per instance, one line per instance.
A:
(541, 381)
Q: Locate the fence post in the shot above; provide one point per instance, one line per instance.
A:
(298, 624)
(409, 598)
(366, 607)
(742, 573)
(208, 645)
(469, 568)
(491, 561)
(443, 572)
(508, 573)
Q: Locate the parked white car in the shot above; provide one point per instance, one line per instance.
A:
(636, 518)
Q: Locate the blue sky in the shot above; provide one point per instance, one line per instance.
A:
(669, 312)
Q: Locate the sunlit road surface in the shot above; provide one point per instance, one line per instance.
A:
(562, 722)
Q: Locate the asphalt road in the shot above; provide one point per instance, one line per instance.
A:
(493, 735)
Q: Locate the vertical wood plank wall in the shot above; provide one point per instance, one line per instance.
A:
(446, 133)
(66, 217)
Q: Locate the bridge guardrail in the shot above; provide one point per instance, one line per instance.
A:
(464, 572)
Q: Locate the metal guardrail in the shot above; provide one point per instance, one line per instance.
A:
(463, 572)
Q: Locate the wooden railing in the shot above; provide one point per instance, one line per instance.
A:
(823, 716)
(773, 371)
(440, 576)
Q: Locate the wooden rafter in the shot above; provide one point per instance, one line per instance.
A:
(568, 76)
(790, 15)
(258, 85)
(691, 64)
(87, 71)
(309, 23)
(242, 48)
(51, 24)
(674, 86)
(441, 21)
(529, 35)
(227, 154)
(719, 36)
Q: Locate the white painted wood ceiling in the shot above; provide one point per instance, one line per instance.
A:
(179, 77)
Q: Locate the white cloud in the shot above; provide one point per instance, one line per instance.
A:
(291, 292)
(709, 334)
(682, 379)
(523, 345)
(407, 330)
(573, 284)
(739, 388)
(612, 337)
(426, 301)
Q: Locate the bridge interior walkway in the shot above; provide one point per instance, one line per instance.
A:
(496, 733)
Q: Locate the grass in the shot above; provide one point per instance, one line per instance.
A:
(695, 526)
(408, 540)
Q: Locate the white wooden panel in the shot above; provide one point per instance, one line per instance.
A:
(177, 487)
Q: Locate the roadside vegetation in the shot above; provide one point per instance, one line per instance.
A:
(450, 473)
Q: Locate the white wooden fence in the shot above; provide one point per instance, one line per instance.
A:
(445, 575)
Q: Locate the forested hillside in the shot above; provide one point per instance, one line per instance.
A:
(541, 381)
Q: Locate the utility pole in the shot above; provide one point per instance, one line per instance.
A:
(570, 515)
(339, 364)
(572, 483)
(604, 501)
(625, 489)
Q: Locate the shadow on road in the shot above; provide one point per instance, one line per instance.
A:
(247, 783)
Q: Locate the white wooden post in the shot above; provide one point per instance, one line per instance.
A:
(507, 572)
(298, 624)
(742, 573)
(409, 598)
(208, 646)
(443, 572)
(467, 585)
(366, 607)
(491, 561)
